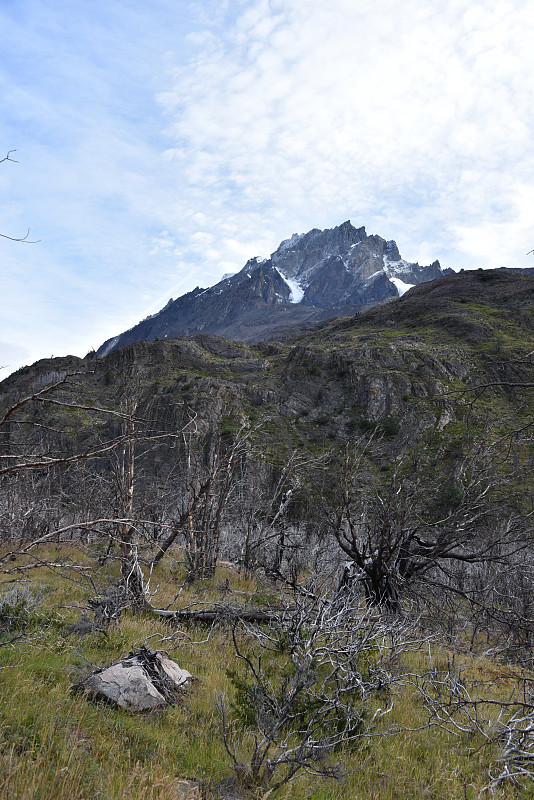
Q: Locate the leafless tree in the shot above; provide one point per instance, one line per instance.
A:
(45, 473)
(140, 484)
(33, 459)
(303, 690)
(466, 705)
(214, 473)
(270, 530)
(414, 527)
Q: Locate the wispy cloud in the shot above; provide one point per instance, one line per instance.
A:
(160, 148)
(415, 119)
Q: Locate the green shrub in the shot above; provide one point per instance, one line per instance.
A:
(390, 427)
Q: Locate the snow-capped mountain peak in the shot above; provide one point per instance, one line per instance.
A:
(310, 277)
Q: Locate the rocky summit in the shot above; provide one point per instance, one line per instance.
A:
(310, 278)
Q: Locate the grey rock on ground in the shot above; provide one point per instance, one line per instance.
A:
(144, 680)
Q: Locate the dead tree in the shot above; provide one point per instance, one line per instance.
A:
(303, 686)
(210, 465)
(124, 463)
(463, 705)
(34, 462)
(412, 528)
(266, 515)
(37, 460)
(217, 466)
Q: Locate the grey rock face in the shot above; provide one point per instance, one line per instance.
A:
(309, 278)
(301, 255)
(141, 682)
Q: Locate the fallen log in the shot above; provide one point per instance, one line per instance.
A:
(215, 614)
(221, 613)
(109, 606)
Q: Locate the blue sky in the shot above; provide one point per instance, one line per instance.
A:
(162, 144)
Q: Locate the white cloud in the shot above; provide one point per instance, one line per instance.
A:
(158, 150)
(411, 113)
(11, 354)
(489, 242)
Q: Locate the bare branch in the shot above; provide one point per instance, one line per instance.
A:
(3, 235)
(8, 157)
(315, 699)
(21, 238)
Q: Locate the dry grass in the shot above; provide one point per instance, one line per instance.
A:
(57, 746)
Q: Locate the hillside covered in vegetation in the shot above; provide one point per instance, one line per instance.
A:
(332, 532)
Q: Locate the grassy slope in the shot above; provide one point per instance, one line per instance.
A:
(58, 746)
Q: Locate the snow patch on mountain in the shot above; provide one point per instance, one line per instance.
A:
(297, 292)
(395, 268)
(370, 277)
(401, 286)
